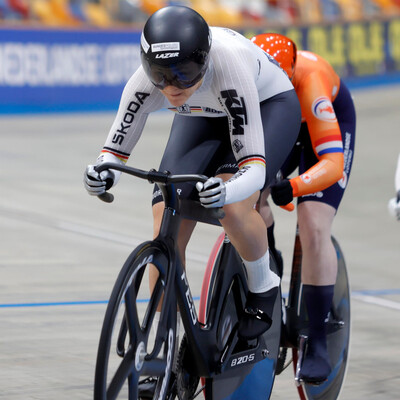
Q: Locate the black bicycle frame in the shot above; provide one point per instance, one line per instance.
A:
(201, 339)
(207, 357)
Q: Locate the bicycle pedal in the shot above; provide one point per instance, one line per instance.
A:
(147, 388)
(315, 383)
(302, 381)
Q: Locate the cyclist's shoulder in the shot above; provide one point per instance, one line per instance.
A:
(312, 69)
(228, 44)
(235, 60)
(225, 36)
(312, 61)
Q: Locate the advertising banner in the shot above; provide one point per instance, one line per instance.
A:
(53, 70)
(74, 70)
(363, 53)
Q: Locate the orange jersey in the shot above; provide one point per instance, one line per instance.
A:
(317, 85)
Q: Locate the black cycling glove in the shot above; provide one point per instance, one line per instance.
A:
(282, 193)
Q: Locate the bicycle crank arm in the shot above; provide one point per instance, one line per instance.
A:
(229, 346)
(301, 351)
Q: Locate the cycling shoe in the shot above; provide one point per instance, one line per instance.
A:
(257, 315)
(315, 367)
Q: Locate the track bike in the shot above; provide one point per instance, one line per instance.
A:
(210, 348)
(294, 328)
(211, 351)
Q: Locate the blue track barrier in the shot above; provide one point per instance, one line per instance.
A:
(50, 70)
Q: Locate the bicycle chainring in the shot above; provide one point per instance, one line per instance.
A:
(186, 382)
(281, 362)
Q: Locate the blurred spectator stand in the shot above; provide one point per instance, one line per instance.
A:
(237, 14)
(14, 10)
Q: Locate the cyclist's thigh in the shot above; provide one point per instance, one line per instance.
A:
(196, 145)
(292, 162)
(315, 219)
(281, 117)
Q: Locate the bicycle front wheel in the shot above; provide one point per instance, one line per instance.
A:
(130, 347)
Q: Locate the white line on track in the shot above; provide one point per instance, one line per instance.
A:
(133, 242)
(378, 301)
(44, 220)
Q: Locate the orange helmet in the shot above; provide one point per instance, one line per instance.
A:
(280, 47)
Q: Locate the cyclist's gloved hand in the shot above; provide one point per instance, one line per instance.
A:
(97, 184)
(282, 192)
(394, 207)
(212, 193)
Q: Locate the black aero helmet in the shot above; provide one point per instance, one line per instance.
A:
(174, 47)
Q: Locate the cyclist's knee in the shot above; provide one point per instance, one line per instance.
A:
(315, 222)
(311, 238)
(314, 236)
(158, 210)
(236, 213)
(185, 230)
(185, 233)
(232, 212)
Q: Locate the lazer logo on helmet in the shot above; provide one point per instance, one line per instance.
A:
(167, 55)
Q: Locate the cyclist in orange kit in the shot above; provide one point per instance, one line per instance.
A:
(324, 154)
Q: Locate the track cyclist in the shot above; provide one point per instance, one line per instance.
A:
(324, 154)
(394, 203)
(232, 104)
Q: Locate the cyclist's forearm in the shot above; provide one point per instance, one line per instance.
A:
(397, 176)
(245, 182)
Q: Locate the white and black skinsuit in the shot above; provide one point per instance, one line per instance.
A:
(245, 114)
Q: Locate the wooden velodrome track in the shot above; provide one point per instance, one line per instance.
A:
(61, 250)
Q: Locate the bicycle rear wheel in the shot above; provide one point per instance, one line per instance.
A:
(128, 349)
(251, 380)
(338, 338)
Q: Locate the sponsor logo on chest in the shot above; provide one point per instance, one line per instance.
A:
(237, 112)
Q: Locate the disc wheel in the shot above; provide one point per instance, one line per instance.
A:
(338, 338)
